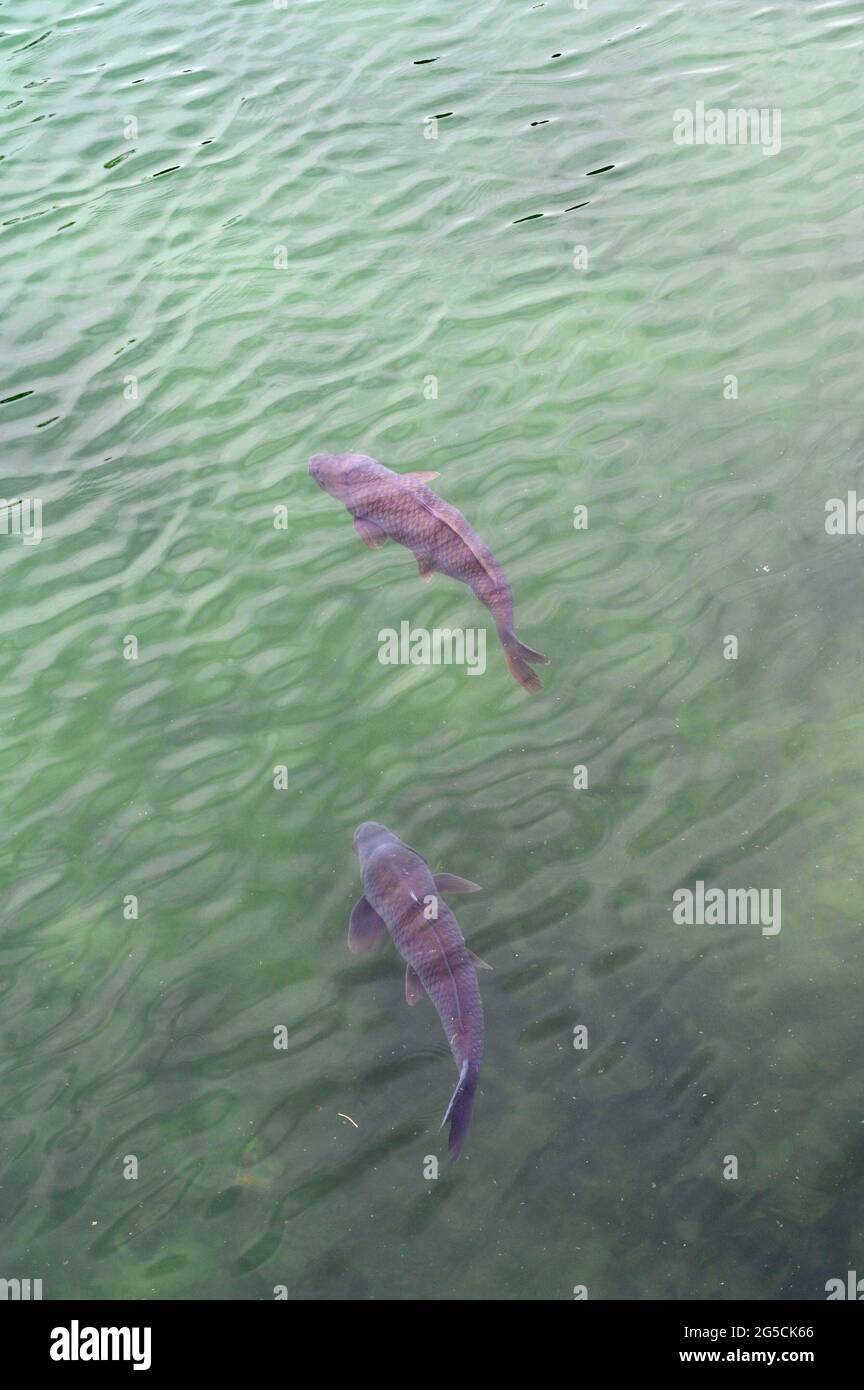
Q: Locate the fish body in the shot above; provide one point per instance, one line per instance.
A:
(403, 897)
(400, 507)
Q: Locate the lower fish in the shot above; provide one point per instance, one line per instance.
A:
(398, 506)
(402, 896)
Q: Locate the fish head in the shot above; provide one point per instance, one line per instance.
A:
(342, 474)
(370, 836)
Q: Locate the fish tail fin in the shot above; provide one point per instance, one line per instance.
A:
(460, 1109)
(518, 656)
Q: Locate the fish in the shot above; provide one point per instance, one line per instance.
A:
(400, 507)
(403, 897)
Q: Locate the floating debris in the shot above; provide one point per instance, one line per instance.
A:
(530, 218)
(599, 171)
(419, 61)
(348, 1118)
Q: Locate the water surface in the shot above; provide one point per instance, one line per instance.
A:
(228, 243)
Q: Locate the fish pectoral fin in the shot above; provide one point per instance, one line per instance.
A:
(452, 883)
(365, 928)
(420, 477)
(478, 963)
(369, 533)
(413, 985)
(426, 568)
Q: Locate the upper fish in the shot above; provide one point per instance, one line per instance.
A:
(400, 507)
(402, 896)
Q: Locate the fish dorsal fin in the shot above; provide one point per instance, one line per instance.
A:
(420, 477)
(452, 518)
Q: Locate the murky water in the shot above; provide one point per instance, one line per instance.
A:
(232, 237)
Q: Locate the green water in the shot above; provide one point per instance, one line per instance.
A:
(229, 243)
